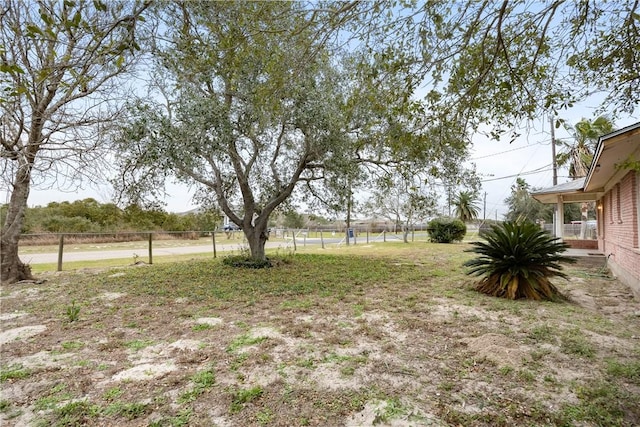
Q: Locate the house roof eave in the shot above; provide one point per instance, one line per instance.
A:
(608, 153)
(571, 191)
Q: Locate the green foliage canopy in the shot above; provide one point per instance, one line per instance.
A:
(248, 112)
(501, 62)
(466, 206)
(578, 154)
(523, 207)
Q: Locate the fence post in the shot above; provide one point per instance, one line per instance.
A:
(213, 237)
(150, 250)
(60, 251)
(321, 239)
(367, 236)
(384, 236)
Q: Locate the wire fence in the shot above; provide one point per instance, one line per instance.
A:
(38, 248)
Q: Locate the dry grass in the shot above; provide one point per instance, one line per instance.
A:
(366, 335)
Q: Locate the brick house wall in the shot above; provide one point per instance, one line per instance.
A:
(618, 237)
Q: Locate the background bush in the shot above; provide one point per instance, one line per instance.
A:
(446, 230)
(91, 216)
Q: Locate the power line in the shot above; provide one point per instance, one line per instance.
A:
(503, 152)
(531, 172)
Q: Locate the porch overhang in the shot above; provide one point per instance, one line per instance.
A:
(568, 192)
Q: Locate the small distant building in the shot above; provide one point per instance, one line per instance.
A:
(613, 183)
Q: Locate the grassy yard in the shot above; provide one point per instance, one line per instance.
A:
(383, 335)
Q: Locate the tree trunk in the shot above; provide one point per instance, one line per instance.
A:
(257, 238)
(12, 269)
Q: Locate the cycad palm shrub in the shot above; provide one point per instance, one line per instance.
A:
(517, 260)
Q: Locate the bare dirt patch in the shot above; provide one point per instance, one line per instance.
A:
(418, 349)
(20, 333)
(499, 349)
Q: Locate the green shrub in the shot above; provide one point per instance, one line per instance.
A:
(446, 230)
(62, 224)
(245, 262)
(517, 261)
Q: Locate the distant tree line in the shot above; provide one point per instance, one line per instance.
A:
(91, 216)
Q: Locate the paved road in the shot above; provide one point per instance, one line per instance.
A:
(52, 257)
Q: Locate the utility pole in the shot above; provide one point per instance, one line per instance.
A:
(484, 209)
(553, 151)
(557, 209)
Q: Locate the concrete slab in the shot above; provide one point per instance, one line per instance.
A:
(583, 253)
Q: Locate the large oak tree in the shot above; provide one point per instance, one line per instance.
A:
(255, 102)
